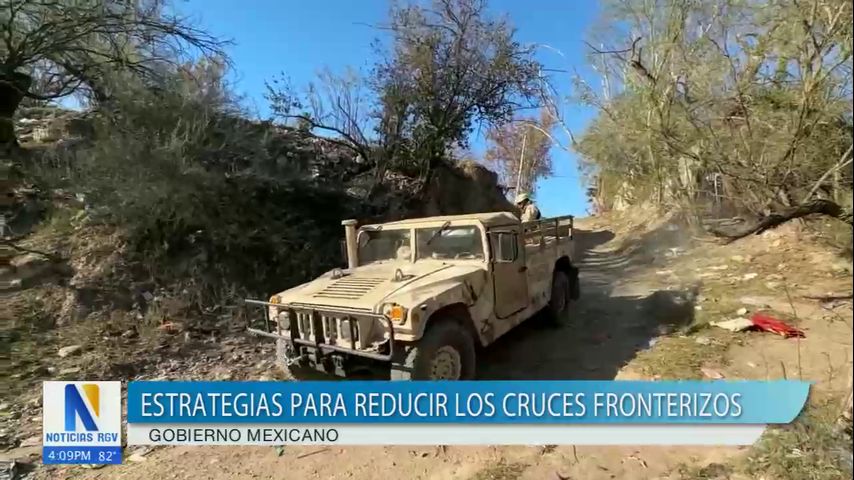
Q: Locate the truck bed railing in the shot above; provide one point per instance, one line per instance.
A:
(537, 231)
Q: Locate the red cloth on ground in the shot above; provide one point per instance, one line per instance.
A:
(771, 324)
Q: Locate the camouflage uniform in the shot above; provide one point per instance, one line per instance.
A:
(530, 212)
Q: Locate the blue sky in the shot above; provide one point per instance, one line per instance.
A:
(299, 38)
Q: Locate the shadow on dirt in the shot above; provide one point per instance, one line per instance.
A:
(586, 240)
(604, 331)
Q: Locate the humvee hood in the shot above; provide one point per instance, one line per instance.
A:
(368, 287)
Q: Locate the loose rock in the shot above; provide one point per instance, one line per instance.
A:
(69, 350)
(136, 458)
(33, 441)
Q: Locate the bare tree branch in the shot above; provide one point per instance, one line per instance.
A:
(842, 163)
(822, 207)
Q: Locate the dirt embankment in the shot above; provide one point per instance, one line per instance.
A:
(651, 291)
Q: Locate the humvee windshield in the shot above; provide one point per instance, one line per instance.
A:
(459, 243)
(379, 245)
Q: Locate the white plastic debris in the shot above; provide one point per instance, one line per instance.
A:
(734, 325)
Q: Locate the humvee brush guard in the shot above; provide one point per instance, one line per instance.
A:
(419, 296)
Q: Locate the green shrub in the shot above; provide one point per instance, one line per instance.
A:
(190, 185)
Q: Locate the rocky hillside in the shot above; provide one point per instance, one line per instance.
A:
(289, 154)
(276, 194)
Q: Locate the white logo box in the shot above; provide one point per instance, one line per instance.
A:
(95, 441)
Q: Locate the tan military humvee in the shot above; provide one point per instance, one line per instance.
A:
(419, 295)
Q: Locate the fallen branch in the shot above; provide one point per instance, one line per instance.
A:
(827, 297)
(724, 222)
(315, 452)
(821, 207)
(50, 256)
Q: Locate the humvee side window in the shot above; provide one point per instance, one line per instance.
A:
(505, 248)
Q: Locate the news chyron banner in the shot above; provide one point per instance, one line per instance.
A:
(459, 413)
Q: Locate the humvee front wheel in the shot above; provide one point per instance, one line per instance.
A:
(445, 352)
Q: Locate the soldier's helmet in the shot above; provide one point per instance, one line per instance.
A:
(522, 197)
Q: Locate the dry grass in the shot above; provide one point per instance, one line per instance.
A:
(712, 471)
(501, 471)
(835, 234)
(811, 448)
(26, 335)
(683, 357)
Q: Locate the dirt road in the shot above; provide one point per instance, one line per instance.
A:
(627, 312)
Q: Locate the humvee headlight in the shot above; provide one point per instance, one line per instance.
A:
(345, 329)
(394, 312)
(274, 299)
(283, 319)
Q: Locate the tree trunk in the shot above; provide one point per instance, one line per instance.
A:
(822, 207)
(13, 86)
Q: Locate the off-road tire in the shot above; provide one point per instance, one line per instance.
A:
(557, 311)
(417, 362)
(293, 371)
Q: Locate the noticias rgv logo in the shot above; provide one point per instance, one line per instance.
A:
(76, 408)
(82, 405)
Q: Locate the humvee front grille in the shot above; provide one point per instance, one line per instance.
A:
(350, 288)
(334, 329)
(326, 330)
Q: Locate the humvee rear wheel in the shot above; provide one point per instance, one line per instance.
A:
(445, 352)
(558, 308)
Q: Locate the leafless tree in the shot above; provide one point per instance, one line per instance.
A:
(758, 97)
(335, 106)
(54, 48)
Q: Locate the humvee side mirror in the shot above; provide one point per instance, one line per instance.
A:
(363, 240)
(505, 248)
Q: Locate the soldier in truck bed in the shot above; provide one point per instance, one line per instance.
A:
(526, 207)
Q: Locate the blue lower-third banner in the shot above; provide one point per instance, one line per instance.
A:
(470, 413)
